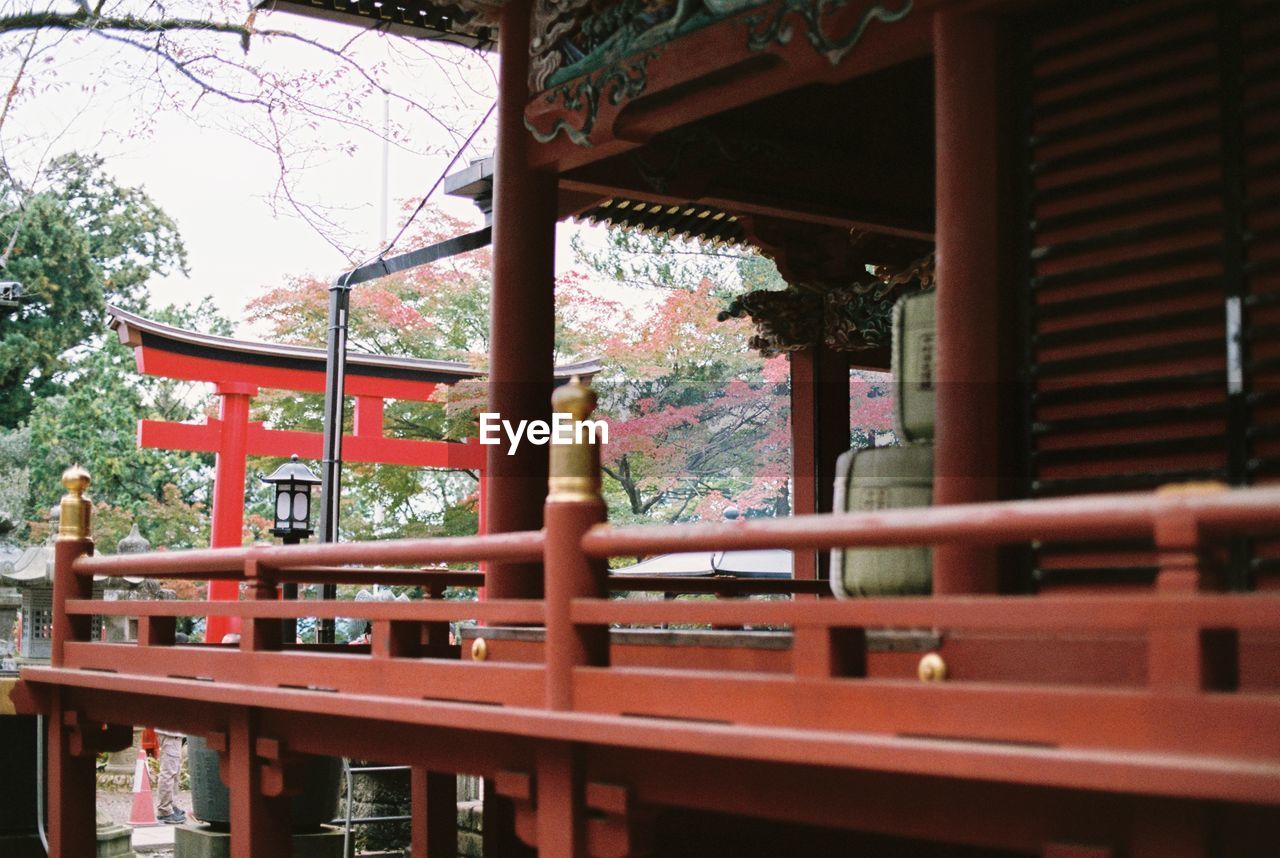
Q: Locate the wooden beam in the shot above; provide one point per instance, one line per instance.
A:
(261, 441)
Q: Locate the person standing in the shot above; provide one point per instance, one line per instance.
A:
(167, 783)
(170, 766)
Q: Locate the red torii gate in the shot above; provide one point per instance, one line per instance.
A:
(238, 369)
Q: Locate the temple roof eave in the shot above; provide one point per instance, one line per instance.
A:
(471, 23)
(131, 329)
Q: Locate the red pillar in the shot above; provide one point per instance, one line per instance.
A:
(819, 434)
(966, 115)
(228, 494)
(562, 814)
(434, 829)
(521, 343)
(72, 776)
(522, 320)
(72, 826)
(259, 823)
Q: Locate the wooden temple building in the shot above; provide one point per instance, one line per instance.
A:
(1096, 670)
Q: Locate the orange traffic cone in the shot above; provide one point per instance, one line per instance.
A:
(144, 811)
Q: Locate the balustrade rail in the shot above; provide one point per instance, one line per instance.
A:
(1191, 640)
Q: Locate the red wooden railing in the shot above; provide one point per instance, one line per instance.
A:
(828, 689)
(1178, 730)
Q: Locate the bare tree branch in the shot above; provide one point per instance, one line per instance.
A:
(181, 63)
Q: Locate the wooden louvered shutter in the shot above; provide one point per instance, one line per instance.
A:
(1259, 139)
(1144, 344)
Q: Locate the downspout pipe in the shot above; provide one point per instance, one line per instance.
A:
(335, 377)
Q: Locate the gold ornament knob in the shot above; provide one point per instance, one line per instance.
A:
(479, 650)
(932, 668)
(575, 467)
(73, 511)
(76, 479)
(574, 398)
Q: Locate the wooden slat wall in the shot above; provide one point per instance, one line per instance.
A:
(1260, 135)
(1135, 121)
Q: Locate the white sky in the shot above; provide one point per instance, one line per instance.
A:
(216, 184)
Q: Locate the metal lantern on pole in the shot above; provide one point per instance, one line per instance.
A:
(293, 481)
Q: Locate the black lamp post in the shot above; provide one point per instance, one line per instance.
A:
(293, 481)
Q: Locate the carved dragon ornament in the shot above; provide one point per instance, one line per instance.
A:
(581, 51)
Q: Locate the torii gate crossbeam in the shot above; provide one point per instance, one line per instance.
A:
(239, 369)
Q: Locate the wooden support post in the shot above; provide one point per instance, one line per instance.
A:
(618, 828)
(1188, 658)
(72, 787)
(260, 825)
(157, 631)
(435, 636)
(517, 788)
(522, 320)
(435, 813)
(821, 652)
(819, 434)
(967, 83)
(395, 639)
(499, 823)
(259, 634)
(562, 823)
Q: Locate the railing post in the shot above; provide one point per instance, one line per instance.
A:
(75, 539)
(573, 507)
(258, 634)
(72, 781)
(1189, 658)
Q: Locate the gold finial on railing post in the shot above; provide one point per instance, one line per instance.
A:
(74, 540)
(75, 509)
(574, 506)
(575, 465)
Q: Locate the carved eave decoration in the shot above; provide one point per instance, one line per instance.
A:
(472, 23)
(587, 60)
(856, 318)
(687, 220)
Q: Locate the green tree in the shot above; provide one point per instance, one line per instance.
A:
(94, 419)
(83, 241)
(699, 421)
(438, 311)
(15, 482)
